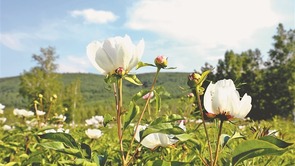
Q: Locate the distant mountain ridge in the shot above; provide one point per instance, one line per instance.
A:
(93, 87)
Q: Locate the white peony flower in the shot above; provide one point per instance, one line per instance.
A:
(7, 128)
(95, 121)
(93, 133)
(23, 113)
(114, 53)
(222, 98)
(40, 113)
(154, 140)
(2, 108)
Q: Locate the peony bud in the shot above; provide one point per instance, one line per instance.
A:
(161, 61)
(120, 71)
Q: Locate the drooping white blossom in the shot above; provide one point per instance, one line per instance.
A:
(154, 140)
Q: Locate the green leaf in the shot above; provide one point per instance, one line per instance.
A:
(59, 147)
(203, 77)
(165, 128)
(166, 163)
(133, 79)
(279, 143)
(166, 118)
(184, 137)
(107, 119)
(139, 95)
(169, 68)
(142, 64)
(254, 148)
(86, 150)
(65, 138)
(224, 138)
(158, 101)
(109, 79)
(131, 114)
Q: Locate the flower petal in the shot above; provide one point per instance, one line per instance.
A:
(91, 50)
(244, 106)
(209, 93)
(137, 54)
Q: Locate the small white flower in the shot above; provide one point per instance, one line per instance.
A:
(60, 117)
(113, 53)
(222, 98)
(50, 131)
(7, 128)
(40, 113)
(23, 113)
(93, 133)
(95, 121)
(2, 108)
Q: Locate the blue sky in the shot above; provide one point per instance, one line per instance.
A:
(188, 32)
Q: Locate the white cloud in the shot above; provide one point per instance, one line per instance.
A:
(203, 30)
(13, 40)
(212, 22)
(95, 16)
(73, 64)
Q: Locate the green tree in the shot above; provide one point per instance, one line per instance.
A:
(72, 100)
(42, 78)
(279, 75)
(245, 70)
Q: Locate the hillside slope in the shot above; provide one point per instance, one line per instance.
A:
(93, 87)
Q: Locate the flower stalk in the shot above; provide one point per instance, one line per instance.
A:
(142, 113)
(205, 128)
(218, 142)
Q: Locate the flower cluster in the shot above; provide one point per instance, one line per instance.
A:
(95, 121)
(23, 113)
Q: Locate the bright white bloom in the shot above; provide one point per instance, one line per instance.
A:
(7, 128)
(222, 98)
(95, 121)
(3, 120)
(2, 108)
(23, 113)
(154, 140)
(40, 113)
(93, 133)
(113, 53)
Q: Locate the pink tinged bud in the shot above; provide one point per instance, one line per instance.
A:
(161, 61)
(146, 96)
(190, 95)
(120, 71)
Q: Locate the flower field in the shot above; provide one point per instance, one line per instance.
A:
(210, 125)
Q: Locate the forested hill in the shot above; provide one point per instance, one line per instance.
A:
(93, 88)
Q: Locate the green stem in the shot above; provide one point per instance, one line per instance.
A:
(217, 143)
(205, 128)
(142, 113)
(119, 117)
